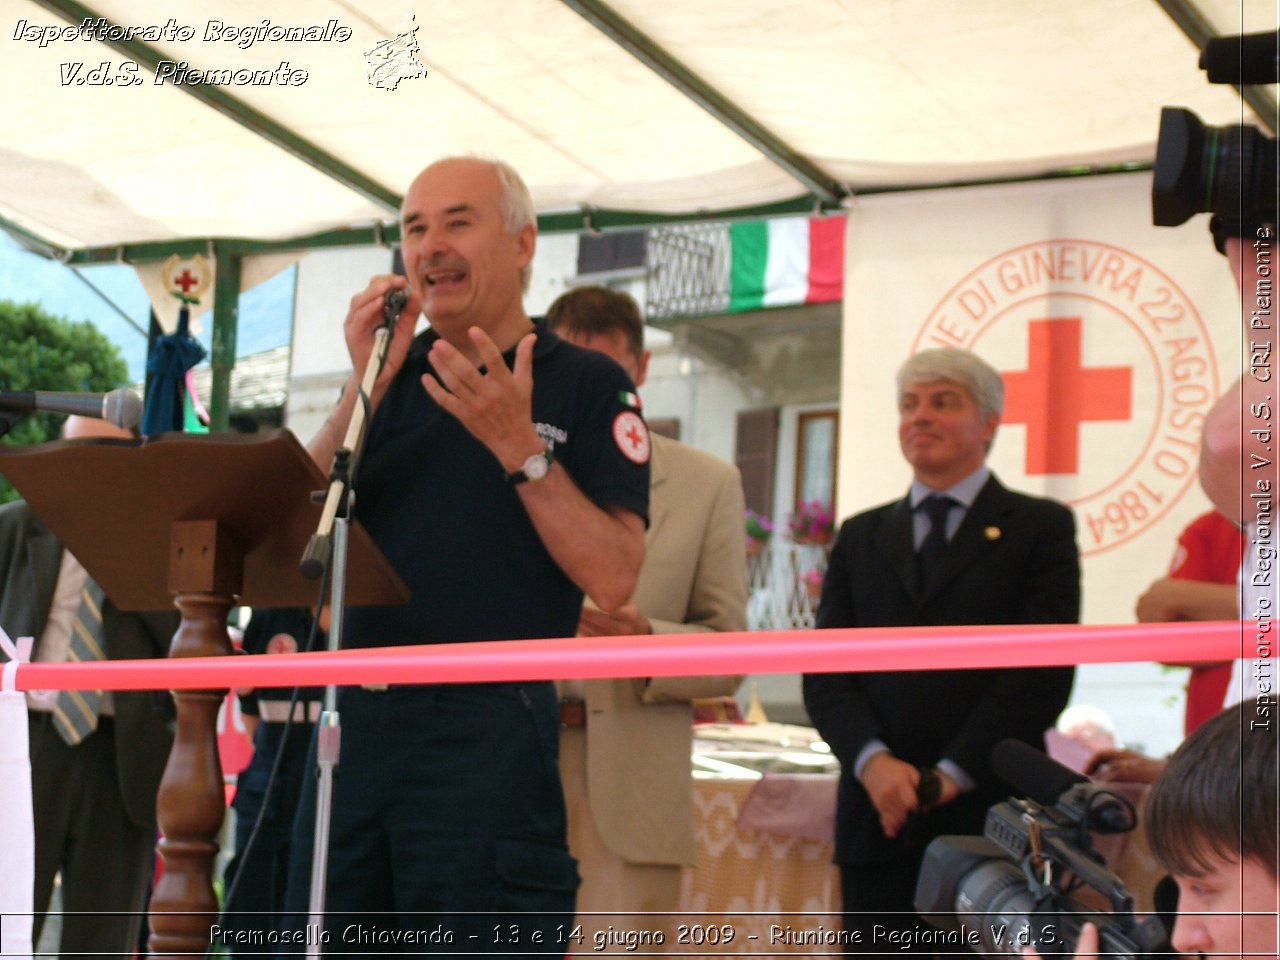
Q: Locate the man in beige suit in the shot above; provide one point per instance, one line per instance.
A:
(625, 744)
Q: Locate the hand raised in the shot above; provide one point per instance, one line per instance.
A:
(491, 401)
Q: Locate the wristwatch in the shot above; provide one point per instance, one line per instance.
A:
(535, 468)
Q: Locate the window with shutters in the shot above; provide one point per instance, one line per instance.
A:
(816, 456)
(755, 453)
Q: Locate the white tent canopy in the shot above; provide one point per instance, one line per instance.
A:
(845, 96)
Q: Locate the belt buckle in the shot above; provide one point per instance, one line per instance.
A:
(375, 687)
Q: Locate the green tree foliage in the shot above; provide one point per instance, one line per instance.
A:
(39, 351)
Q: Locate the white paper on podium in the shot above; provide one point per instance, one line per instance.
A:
(17, 823)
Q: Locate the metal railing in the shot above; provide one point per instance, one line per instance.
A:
(777, 596)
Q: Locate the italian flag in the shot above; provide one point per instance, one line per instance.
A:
(786, 261)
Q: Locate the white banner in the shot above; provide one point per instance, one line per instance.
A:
(1114, 338)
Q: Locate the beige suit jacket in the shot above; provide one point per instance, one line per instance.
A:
(694, 579)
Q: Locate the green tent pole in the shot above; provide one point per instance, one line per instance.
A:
(226, 320)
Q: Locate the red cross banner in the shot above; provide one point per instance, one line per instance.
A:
(1113, 337)
(190, 277)
(195, 277)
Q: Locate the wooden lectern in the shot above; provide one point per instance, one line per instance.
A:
(206, 522)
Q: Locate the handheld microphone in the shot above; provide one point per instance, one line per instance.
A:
(121, 407)
(319, 549)
(392, 304)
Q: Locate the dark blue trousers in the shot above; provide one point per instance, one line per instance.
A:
(259, 879)
(448, 824)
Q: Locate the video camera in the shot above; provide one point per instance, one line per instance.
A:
(1227, 171)
(1011, 888)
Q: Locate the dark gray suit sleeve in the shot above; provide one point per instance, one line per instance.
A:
(25, 590)
(836, 702)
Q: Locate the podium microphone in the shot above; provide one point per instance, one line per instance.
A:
(121, 407)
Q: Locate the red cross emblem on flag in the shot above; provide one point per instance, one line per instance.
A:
(187, 278)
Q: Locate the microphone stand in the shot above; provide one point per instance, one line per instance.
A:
(329, 545)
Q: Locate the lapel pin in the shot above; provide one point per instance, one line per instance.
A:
(991, 533)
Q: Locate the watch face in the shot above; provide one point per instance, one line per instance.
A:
(536, 467)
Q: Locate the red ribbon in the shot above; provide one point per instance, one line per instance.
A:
(671, 655)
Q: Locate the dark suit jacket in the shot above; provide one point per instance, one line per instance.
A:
(30, 556)
(1012, 560)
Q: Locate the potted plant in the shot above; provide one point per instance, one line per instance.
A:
(812, 522)
(811, 580)
(759, 532)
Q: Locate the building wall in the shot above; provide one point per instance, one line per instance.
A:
(703, 398)
(327, 280)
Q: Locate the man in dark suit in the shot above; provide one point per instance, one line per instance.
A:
(960, 548)
(94, 802)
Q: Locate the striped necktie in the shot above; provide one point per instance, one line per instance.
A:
(75, 713)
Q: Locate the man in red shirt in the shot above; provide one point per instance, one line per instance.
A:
(1200, 585)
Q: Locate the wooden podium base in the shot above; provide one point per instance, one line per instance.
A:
(191, 801)
(215, 520)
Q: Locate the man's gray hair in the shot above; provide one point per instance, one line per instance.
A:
(517, 207)
(956, 366)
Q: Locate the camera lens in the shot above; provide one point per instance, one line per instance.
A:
(1229, 171)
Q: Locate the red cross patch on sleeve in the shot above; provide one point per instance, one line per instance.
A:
(282, 643)
(632, 436)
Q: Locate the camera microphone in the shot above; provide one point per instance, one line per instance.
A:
(1251, 59)
(1032, 773)
(1047, 782)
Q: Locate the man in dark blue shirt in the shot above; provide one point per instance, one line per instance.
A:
(505, 476)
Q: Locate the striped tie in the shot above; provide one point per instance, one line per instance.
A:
(75, 714)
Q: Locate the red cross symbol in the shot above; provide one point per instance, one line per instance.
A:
(186, 281)
(1056, 394)
(631, 436)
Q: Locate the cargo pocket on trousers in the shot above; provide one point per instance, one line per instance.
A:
(534, 876)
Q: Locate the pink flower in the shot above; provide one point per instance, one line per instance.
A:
(812, 520)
